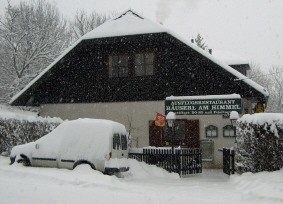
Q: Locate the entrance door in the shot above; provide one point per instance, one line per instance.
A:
(185, 134)
(156, 135)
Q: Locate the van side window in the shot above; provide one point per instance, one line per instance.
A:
(116, 141)
(124, 142)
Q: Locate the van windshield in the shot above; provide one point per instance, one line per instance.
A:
(124, 142)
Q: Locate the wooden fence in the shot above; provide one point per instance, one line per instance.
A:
(182, 161)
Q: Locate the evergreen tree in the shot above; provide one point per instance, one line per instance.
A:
(200, 42)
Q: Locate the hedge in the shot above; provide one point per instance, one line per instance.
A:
(259, 145)
(15, 131)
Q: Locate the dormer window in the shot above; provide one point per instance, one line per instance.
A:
(131, 64)
(144, 64)
(118, 65)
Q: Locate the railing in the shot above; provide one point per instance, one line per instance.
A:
(181, 160)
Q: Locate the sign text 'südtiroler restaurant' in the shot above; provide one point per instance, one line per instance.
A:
(204, 106)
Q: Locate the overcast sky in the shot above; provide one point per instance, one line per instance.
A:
(252, 29)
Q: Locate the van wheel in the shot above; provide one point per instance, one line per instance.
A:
(24, 160)
(84, 162)
(12, 159)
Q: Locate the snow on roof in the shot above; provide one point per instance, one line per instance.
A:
(128, 23)
(229, 57)
(206, 97)
(132, 23)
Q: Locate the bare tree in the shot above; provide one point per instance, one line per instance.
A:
(84, 23)
(263, 79)
(257, 75)
(273, 82)
(276, 76)
(32, 35)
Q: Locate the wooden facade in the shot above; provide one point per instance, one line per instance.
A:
(82, 75)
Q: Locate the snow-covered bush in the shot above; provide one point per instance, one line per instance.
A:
(20, 127)
(259, 144)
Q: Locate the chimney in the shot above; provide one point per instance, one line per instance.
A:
(210, 51)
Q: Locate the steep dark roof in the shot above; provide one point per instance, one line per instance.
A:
(130, 23)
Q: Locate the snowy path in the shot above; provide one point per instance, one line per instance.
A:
(30, 185)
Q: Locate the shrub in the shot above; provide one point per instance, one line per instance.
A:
(259, 144)
(16, 130)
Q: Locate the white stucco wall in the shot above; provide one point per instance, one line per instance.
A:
(139, 114)
(136, 113)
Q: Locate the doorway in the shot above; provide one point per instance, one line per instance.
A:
(185, 133)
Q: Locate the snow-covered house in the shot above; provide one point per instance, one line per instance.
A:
(126, 68)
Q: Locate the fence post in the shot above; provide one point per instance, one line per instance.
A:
(232, 156)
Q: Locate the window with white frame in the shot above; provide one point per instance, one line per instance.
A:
(229, 131)
(211, 131)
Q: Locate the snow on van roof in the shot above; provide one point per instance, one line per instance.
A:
(204, 97)
(132, 23)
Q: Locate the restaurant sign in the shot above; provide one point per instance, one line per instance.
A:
(204, 106)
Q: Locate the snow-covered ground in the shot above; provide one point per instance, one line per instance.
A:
(143, 184)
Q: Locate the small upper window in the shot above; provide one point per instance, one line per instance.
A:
(144, 64)
(229, 131)
(211, 131)
(118, 65)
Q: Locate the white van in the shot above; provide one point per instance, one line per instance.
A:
(100, 143)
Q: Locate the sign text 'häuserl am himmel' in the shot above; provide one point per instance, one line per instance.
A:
(203, 107)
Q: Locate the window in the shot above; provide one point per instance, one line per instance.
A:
(211, 131)
(116, 141)
(229, 131)
(137, 64)
(124, 142)
(207, 148)
(144, 64)
(118, 65)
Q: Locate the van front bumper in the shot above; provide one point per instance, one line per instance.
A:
(109, 170)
